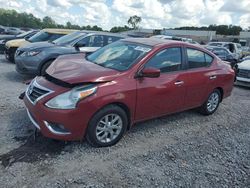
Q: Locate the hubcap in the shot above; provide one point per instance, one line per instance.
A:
(108, 128)
(213, 102)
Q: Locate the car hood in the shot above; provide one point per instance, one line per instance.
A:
(17, 43)
(74, 69)
(244, 65)
(37, 45)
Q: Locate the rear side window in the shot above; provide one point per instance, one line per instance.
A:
(96, 41)
(111, 39)
(167, 60)
(197, 58)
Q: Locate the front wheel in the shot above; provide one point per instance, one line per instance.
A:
(11, 55)
(107, 126)
(44, 67)
(211, 104)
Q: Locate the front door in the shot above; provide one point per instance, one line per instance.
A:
(165, 94)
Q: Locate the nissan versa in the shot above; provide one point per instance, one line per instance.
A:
(99, 96)
(36, 57)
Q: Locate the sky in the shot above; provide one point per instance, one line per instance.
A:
(155, 14)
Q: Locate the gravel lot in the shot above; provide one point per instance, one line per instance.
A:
(181, 150)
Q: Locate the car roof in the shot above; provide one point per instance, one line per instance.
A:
(59, 31)
(153, 41)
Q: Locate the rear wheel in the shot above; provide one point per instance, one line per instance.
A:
(44, 67)
(107, 126)
(212, 103)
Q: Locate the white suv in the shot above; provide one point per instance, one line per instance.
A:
(243, 73)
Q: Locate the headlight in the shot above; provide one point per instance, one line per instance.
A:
(31, 53)
(2, 41)
(69, 100)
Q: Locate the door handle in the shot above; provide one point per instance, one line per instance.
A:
(179, 83)
(212, 77)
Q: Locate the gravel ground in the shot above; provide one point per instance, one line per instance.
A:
(182, 150)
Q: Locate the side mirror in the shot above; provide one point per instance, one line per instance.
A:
(149, 72)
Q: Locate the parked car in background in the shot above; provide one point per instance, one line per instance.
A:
(43, 35)
(243, 73)
(36, 57)
(232, 47)
(224, 54)
(245, 47)
(2, 29)
(246, 58)
(189, 40)
(13, 31)
(101, 95)
(6, 38)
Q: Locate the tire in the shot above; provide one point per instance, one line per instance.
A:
(98, 128)
(11, 57)
(210, 106)
(44, 67)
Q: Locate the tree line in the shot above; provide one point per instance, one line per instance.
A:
(220, 29)
(12, 18)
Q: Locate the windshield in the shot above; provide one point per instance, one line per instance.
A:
(119, 55)
(24, 34)
(44, 36)
(67, 39)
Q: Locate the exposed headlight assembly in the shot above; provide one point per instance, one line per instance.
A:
(69, 99)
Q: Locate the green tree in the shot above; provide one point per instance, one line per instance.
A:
(118, 29)
(48, 22)
(134, 21)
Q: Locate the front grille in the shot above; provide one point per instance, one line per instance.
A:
(35, 91)
(243, 73)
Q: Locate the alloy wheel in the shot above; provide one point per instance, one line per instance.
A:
(108, 128)
(213, 101)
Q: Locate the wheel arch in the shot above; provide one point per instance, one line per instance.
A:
(44, 62)
(122, 106)
(221, 92)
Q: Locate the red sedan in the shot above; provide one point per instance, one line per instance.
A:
(99, 97)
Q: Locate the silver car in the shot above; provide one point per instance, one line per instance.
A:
(35, 58)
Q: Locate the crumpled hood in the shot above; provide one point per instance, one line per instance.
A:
(17, 43)
(244, 65)
(75, 69)
(36, 46)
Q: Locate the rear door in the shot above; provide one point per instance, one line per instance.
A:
(165, 94)
(201, 77)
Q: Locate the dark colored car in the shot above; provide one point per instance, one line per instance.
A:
(6, 38)
(13, 31)
(34, 58)
(43, 35)
(101, 95)
(224, 54)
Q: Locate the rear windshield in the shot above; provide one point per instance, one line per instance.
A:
(44, 36)
(119, 55)
(68, 39)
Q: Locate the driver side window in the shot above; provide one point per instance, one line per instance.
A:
(84, 42)
(167, 60)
